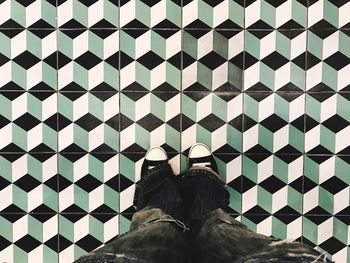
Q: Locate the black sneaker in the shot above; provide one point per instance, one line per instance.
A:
(201, 156)
(155, 156)
(202, 187)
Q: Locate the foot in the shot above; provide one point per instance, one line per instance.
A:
(202, 187)
(154, 156)
(201, 156)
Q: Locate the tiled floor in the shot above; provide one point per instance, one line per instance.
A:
(264, 83)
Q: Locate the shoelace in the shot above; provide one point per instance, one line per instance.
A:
(169, 218)
(320, 257)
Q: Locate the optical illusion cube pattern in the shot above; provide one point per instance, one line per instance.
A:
(86, 87)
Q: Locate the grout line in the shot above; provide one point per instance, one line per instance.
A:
(304, 152)
(119, 117)
(243, 100)
(57, 139)
(181, 88)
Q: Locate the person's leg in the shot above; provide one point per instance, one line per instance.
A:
(217, 237)
(156, 235)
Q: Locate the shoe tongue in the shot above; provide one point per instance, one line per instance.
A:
(154, 163)
(201, 160)
(201, 164)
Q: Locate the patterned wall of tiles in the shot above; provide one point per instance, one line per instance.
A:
(87, 86)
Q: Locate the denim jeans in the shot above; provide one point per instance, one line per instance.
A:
(157, 235)
(223, 239)
(154, 237)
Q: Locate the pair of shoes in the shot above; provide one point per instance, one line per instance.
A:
(199, 156)
(184, 197)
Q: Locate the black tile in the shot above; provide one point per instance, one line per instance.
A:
(88, 60)
(211, 122)
(26, 60)
(150, 122)
(337, 61)
(273, 123)
(27, 183)
(332, 245)
(27, 243)
(272, 184)
(334, 185)
(88, 122)
(212, 60)
(88, 183)
(88, 243)
(275, 60)
(335, 123)
(150, 60)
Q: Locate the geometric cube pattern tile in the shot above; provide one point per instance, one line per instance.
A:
(269, 14)
(214, 119)
(328, 14)
(329, 234)
(33, 13)
(80, 233)
(275, 60)
(28, 121)
(326, 185)
(225, 14)
(271, 184)
(327, 123)
(86, 87)
(150, 60)
(212, 60)
(88, 122)
(88, 60)
(28, 59)
(328, 60)
(88, 183)
(87, 14)
(28, 183)
(29, 237)
(150, 14)
(155, 116)
(274, 122)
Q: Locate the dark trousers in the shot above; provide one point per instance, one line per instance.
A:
(158, 233)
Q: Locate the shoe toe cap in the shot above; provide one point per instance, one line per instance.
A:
(199, 150)
(156, 154)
